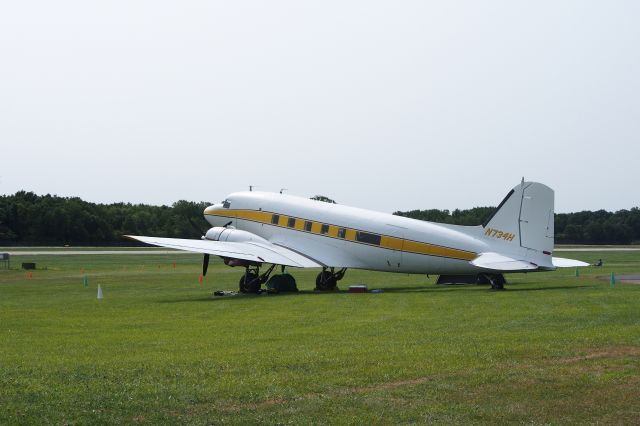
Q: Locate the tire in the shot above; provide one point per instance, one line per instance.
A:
(325, 281)
(497, 282)
(282, 283)
(249, 283)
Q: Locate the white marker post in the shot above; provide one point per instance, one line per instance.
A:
(99, 292)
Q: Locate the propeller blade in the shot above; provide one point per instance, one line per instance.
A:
(205, 264)
(198, 229)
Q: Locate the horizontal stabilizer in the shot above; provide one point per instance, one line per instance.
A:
(561, 262)
(253, 251)
(499, 262)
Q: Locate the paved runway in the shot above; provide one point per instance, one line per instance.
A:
(627, 279)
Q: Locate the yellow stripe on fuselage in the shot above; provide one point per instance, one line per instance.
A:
(386, 241)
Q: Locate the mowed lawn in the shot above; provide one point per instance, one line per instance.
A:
(552, 348)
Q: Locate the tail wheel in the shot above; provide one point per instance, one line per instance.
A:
(249, 283)
(497, 281)
(326, 281)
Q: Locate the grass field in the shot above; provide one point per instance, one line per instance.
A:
(552, 348)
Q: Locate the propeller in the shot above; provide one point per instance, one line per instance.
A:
(196, 227)
(205, 264)
(205, 260)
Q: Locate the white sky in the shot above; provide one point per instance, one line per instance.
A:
(390, 105)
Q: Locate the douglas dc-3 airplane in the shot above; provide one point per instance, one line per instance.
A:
(255, 228)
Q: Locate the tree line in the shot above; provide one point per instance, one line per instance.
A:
(585, 227)
(30, 219)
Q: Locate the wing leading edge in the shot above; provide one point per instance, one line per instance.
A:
(252, 251)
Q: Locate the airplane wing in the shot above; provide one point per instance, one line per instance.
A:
(249, 250)
(499, 262)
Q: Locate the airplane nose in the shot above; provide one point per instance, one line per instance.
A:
(212, 208)
(212, 215)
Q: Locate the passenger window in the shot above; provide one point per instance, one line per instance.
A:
(324, 229)
(365, 237)
(275, 219)
(291, 223)
(342, 232)
(307, 226)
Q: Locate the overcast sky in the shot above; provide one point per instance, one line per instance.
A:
(391, 105)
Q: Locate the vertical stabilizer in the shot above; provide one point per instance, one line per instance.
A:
(523, 223)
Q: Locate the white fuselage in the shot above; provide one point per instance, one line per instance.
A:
(339, 236)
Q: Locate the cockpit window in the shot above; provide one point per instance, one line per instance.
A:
(226, 204)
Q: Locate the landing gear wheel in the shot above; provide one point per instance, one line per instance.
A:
(249, 283)
(497, 281)
(498, 286)
(500, 281)
(281, 283)
(326, 281)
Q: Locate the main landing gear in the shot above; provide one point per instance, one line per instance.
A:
(328, 280)
(252, 280)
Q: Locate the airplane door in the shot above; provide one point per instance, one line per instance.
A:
(395, 243)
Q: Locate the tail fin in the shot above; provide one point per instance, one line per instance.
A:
(523, 223)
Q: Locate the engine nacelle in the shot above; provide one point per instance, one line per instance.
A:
(220, 233)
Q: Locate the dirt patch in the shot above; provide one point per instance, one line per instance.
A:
(385, 386)
(596, 353)
(614, 352)
(345, 391)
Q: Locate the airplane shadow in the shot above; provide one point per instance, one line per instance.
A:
(474, 287)
(244, 296)
(429, 289)
(559, 287)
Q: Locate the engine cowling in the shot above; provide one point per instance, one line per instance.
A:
(220, 233)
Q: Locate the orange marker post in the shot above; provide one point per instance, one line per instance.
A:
(30, 275)
(200, 279)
